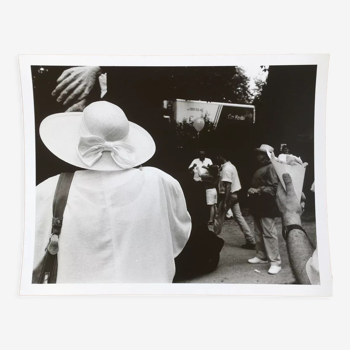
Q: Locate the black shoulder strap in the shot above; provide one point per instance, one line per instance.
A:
(46, 272)
(60, 201)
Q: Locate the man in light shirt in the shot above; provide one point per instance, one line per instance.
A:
(229, 186)
(199, 166)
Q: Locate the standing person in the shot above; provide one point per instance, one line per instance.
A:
(121, 224)
(196, 189)
(284, 148)
(125, 85)
(199, 166)
(265, 211)
(211, 180)
(229, 187)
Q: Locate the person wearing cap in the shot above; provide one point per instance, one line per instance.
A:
(262, 195)
(121, 224)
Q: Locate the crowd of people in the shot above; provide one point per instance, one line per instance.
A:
(128, 223)
(266, 204)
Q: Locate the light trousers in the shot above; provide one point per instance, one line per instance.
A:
(266, 240)
(236, 209)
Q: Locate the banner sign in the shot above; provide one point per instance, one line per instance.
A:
(223, 114)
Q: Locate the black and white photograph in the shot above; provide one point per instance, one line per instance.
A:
(191, 175)
(174, 175)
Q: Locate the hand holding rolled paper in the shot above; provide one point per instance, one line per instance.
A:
(294, 167)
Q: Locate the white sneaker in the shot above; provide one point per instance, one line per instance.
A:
(274, 270)
(256, 260)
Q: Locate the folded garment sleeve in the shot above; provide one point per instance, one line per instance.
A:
(179, 218)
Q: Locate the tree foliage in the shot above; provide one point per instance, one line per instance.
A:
(212, 84)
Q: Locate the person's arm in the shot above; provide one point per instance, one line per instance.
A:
(227, 186)
(226, 178)
(300, 251)
(271, 183)
(207, 178)
(299, 246)
(192, 165)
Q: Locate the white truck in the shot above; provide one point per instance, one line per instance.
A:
(222, 115)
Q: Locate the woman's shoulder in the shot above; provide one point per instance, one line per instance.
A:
(46, 188)
(159, 175)
(48, 183)
(155, 172)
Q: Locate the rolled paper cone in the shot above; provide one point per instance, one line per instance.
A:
(297, 173)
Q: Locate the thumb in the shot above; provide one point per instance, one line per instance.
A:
(289, 183)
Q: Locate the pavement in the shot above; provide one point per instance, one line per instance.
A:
(233, 266)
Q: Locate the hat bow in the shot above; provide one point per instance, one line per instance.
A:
(90, 149)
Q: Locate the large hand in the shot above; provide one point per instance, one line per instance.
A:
(75, 84)
(78, 107)
(288, 203)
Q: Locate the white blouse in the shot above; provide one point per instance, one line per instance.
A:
(118, 227)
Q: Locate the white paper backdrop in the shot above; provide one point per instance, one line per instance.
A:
(179, 28)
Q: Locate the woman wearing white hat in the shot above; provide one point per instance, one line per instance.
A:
(121, 224)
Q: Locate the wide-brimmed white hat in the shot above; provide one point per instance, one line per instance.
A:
(265, 149)
(99, 138)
